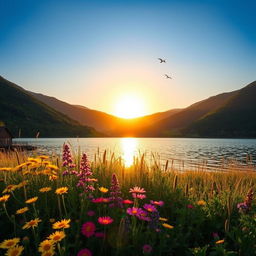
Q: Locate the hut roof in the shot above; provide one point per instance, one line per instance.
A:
(4, 129)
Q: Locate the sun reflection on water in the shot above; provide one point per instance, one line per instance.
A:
(129, 147)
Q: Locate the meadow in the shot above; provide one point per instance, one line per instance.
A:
(69, 206)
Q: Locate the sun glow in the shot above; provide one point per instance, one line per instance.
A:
(129, 148)
(130, 106)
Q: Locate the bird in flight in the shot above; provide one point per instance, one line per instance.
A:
(162, 60)
(168, 77)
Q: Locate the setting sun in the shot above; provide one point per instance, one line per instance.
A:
(130, 106)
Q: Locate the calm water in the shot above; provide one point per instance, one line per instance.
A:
(178, 151)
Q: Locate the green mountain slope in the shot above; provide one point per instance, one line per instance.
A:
(235, 118)
(101, 121)
(174, 125)
(24, 114)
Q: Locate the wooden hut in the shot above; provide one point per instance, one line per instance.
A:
(5, 137)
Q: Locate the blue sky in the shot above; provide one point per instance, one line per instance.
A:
(91, 52)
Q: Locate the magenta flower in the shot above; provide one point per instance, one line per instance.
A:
(127, 201)
(67, 160)
(133, 210)
(190, 206)
(147, 248)
(140, 196)
(106, 220)
(149, 207)
(158, 203)
(84, 252)
(88, 229)
(101, 200)
(115, 193)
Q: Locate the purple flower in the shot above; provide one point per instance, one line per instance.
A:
(147, 248)
(149, 207)
(67, 157)
(115, 193)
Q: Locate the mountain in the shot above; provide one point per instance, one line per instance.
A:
(101, 121)
(229, 114)
(23, 114)
(235, 118)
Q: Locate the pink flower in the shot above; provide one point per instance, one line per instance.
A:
(147, 248)
(137, 189)
(91, 213)
(141, 196)
(158, 203)
(88, 229)
(190, 206)
(149, 207)
(84, 252)
(133, 210)
(106, 220)
(101, 200)
(127, 201)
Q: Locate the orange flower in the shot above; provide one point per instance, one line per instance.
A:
(45, 189)
(31, 223)
(57, 236)
(61, 224)
(4, 198)
(6, 244)
(31, 200)
(15, 251)
(22, 210)
(46, 245)
(220, 241)
(62, 190)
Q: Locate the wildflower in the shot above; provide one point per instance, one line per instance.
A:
(31, 223)
(115, 192)
(137, 189)
(53, 167)
(5, 169)
(61, 224)
(15, 251)
(91, 213)
(142, 215)
(9, 243)
(158, 203)
(133, 211)
(45, 189)
(127, 201)
(140, 196)
(220, 241)
(4, 198)
(10, 188)
(67, 157)
(62, 190)
(22, 210)
(149, 207)
(163, 219)
(103, 190)
(167, 226)
(57, 236)
(46, 245)
(22, 184)
(201, 203)
(53, 177)
(105, 220)
(147, 248)
(31, 200)
(84, 252)
(190, 206)
(88, 229)
(101, 200)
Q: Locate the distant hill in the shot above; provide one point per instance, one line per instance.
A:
(101, 121)
(25, 115)
(235, 118)
(229, 114)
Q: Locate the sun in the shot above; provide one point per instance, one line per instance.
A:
(130, 106)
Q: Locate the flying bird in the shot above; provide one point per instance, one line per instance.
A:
(168, 77)
(162, 60)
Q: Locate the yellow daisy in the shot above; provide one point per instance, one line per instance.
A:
(62, 190)
(201, 203)
(45, 189)
(61, 224)
(103, 190)
(43, 157)
(53, 167)
(22, 210)
(31, 200)
(53, 177)
(46, 245)
(15, 251)
(5, 169)
(4, 198)
(31, 223)
(220, 241)
(6, 244)
(10, 188)
(57, 236)
(163, 219)
(167, 226)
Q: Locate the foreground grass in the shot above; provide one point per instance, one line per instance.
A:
(191, 213)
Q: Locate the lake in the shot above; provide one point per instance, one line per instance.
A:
(180, 152)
